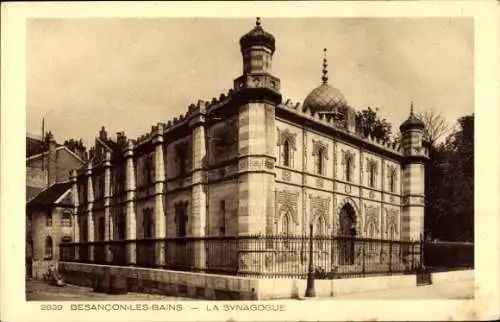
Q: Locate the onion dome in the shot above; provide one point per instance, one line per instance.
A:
(412, 122)
(326, 98)
(257, 36)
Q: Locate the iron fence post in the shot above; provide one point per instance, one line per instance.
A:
(390, 255)
(363, 257)
(310, 292)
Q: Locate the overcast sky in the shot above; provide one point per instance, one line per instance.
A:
(129, 74)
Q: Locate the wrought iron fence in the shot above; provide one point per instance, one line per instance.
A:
(267, 256)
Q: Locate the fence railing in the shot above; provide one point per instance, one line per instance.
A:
(265, 256)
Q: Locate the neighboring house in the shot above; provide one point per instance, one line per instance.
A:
(50, 222)
(48, 199)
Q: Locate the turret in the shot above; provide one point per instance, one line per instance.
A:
(413, 177)
(257, 48)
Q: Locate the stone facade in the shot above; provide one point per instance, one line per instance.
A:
(249, 163)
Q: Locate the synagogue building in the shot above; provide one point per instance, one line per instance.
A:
(251, 162)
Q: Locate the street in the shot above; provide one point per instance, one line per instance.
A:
(41, 291)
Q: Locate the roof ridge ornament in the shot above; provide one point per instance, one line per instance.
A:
(257, 22)
(325, 68)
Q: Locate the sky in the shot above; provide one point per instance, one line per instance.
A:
(128, 74)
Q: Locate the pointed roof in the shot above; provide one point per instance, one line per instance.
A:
(412, 122)
(258, 36)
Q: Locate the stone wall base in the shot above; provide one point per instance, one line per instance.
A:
(224, 287)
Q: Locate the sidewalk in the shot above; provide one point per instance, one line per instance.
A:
(41, 291)
(454, 290)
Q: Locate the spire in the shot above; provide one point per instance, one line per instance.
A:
(325, 68)
(411, 108)
(257, 22)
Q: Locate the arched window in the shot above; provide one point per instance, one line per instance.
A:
(392, 232)
(371, 234)
(148, 222)
(66, 219)
(286, 224)
(222, 217)
(392, 182)
(320, 161)
(286, 153)
(286, 230)
(320, 231)
(348, 167)
(371, 175)
(48, 219)
(48, 247)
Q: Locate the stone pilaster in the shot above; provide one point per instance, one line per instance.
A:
(90, 205)
(130, 186)
(108, 232)
(160, 218)
(256, 180)
(198, 194)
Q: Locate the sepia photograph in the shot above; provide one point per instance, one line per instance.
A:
(139, 181)
(248, 163)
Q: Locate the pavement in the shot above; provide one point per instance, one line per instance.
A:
(460, 290)
(41, 291)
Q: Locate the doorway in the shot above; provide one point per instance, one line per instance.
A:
(347, 232)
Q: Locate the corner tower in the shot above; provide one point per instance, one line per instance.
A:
(415, 156)
(256, 94)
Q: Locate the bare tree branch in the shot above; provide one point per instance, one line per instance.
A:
(436, 126)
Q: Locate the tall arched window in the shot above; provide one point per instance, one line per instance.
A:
(348, 169)
(48, 247)
(392, 182)
(392, 232)
(320, 231)
(371, 175)
(371, 234)
(286, 153)
(320, 161)
(286, 230)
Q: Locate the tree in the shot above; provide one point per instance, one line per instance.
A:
(368, 123)
(450, 185)
(435, 126)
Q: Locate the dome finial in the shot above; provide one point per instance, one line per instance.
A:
(257, 22)
(325, 68)
(411, 108)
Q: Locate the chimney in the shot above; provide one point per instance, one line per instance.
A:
(51, 146)
(121, 139)
(103, 135)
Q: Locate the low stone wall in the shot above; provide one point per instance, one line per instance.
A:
(164, 282)
(293, 288)
(223, 287)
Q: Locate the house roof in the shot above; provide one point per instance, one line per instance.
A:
(52, 195)
(60, 147)
(31, 192)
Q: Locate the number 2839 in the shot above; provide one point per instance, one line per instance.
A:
(51, 307)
